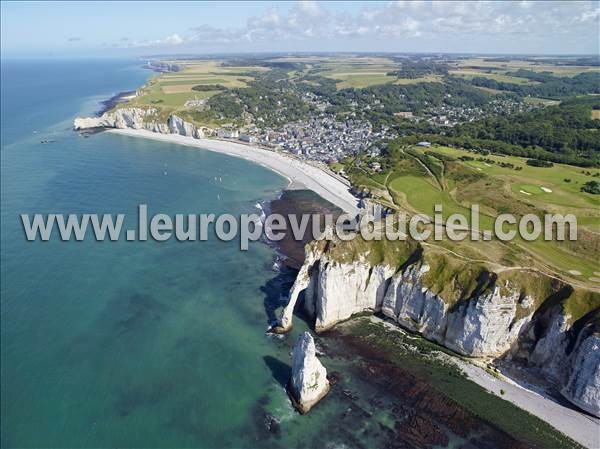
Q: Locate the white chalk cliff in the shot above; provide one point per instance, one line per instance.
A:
(140, 118)
(583, 384)
(487, 320)
(309, 377)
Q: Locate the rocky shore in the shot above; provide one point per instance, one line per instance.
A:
(517, 317)
(121, 97)
(431, 400)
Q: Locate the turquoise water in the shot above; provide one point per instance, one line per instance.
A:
(125, 344)
(138, 344)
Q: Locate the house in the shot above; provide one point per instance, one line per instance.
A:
(375, 166)
(424, 144)
(247, 138)
(228, 133)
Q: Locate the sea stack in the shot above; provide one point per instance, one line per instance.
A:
(309, 377)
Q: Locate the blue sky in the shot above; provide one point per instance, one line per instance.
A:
(58, 29)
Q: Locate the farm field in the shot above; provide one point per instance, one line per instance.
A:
(358, 72)
(500, 77)
(360, 79)
(174, 89)
(422, 79)
(515, 64)
(363, 72)
(542, 101)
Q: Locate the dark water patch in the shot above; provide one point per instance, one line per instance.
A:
(139, 309)
(281, 371)
(266, 429)
(107, 105)
(290, 251)
(276, 291)
(150, 394)
(297, 203)
(189, 417)
(126, 321)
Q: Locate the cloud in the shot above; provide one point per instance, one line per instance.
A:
(173, 39)
(74, 39)
(437, 21)
(169, 41)
(311, 9)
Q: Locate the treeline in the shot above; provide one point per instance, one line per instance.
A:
(563, 134)
(550, 86)
(259, 62)
(576, 61)
(411, 97)
(419, 68)
(487, 147)
(208, 87)
(566, 129)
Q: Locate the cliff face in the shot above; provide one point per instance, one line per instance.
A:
(461, 306)
(583, 382)
(140, 118)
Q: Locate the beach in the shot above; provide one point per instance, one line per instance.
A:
(299, 174)
(581, 427)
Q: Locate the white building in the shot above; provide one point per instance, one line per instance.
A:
(228, 133)
(247, 138)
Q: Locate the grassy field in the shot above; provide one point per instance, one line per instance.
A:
(360, 72)
(563, 193)
(422, 194)
(422, 79)
(174, 89)
(365, 79)
(489, 90)
(500, 77)
(542, 101)
(360, 79)
(497, 189)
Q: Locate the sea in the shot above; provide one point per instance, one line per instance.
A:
(128, 344)
(158, 344)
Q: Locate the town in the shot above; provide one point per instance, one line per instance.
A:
(325, 137)
(322, 138)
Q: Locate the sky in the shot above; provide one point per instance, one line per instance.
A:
(114, 29)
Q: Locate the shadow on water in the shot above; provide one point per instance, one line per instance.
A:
(276, 291)
(296, 203)
(281, 371)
